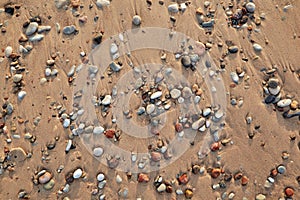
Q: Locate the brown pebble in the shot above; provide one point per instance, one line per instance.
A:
(45, 178)
(178, 127)
(289, 192)
(215, 146)
(294, 105)
(143, 178)
(244, 180)
(215, 173)
(155, 156)
(273, 173)
(110, 133)
(239, 70)
(183, 179)
(238, 176)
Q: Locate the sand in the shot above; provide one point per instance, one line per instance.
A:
(279, 36)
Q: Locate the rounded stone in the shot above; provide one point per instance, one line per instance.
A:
(260, 197)
(273, 83)
(250, 7)
(49, 185)
(17, 78)
(281, 169)
(102, 3)
(150, 109)
(175, 93)
(161, 188)
(77, 173)
(32, 28)
(98, 130)
(233, 49)
(274, 91)
(186, 92)
(137, 20)
(173, 8)
(186, 61)
(113, 48)
(68, 30)
(98, 151)
(270, 99)
(257, 47)
(284, 103)
(45, 178)
(107, 100)
(8, 51)
(100, 177)
(156, 95)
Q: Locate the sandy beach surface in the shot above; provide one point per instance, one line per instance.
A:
(250, 146)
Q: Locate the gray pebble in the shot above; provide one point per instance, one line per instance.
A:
(32, 28)
(21, 95)
(98, 130)
(175, 93)
(136, 20)
(36, 38)
(208, 24)
(42, 29)
(250, 7)
(233, 49)
(173, 8)
(102, 3)
(77, 173)
(8, 51)
(68, 30)
(17, 78)
(234, 77)
(98, 151)
(281, 169)
(115, 67)
(186, 61)
(61, 3)
(141, 110)
(257, 47)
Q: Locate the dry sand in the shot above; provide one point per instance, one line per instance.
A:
(279, 36)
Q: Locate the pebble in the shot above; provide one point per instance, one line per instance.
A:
(143, 178)
(150, 108)
(42, 29)
(102, 184)
(66, 123)
(17, 78)
(102, 3)
(199, 123)
(161, 188)
(257, 47)
(173, 8)
(281, 169)
(21, 95)
(289, 192)
(273, 83)
(141, 110)
(47, 72)
(186, 92)
(155, 156)
(175, 93)
(61, 3)
(32, 28)
(115, 67)
(123, 192)
(250, 7)
(294, 105)
(260, 197)
(113, 48)
(100, 177)
(118, 179)
(106, 101)
(17, 154)
(270, 99)
(233, 49)
(284, 103)
(98, 151)
(36, 38)
(45, 178)
(136, 20)
(8, 51)
(274, 91)
(156, 95)
(77, 173)
(49, 185)
(68, 30)
(234, 77)
(186, 61)
(188, 193)
(98, 130)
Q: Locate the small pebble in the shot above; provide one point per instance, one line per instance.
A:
(250, 7)
(257, 47)
(136, 20)
(102, 3)
(100, 177)
(21, 95)
(161, 188)
(32, 28)
(8, 51)
(281, 169)
(68, 30)
(233, 49)
(77, 173)
(98, 151)
(49, 185)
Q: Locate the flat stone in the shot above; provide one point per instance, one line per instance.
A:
(32, 28)
(98, 151)
(123, 192)
(270, 99)
(137, 20)
(208, 24)
(93, 69)
(17, 78)
(8, 51)
(260, 197)
(17, 154)
(47, 72)
(233, 49)
(250, 7)
(68, 30)
(274, 91)
(98, 130)
(102, 3)
(155, 156)
(173, 8)
(118, 179)
(206, 112)
(141, 110)
(77, 173)
(36, 38)
(42, 29)
(156, 95)
(284, 103)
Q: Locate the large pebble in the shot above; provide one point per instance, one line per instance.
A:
(8, 51)
(284, 103)
(45, 178)
(136, 20)
(36, 38)
(257, 47)
(17, 78)
(49, 185)
(42, 29)
(107, 100)
(234, 77)
(155, 156)
(274, 91)
(156, 95)
(68, 30)
(173, 8)
(21, 95)
(98, 151)
(77, 173)
(102, 3)
(233, 49)
(175, 93)
(250, 7)
(98, 130)
(32, 28)
(270, 99)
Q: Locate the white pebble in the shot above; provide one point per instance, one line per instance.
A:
(77, 173)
